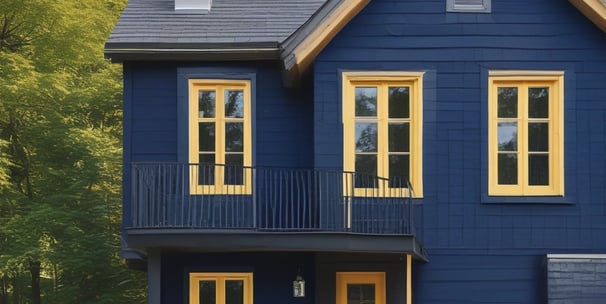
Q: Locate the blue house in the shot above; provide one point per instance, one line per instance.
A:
(358, 151)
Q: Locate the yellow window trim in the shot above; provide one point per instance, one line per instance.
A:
(524, 79)
(345, 278)
(219, 278)
(219, 85)
(382, 80)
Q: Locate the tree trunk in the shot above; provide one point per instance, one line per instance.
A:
(3, 290)
(34, 268)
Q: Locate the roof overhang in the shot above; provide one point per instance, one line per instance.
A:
(196, 240)
(594, 10)
(298, 52)
(301, 48)
(120, 52)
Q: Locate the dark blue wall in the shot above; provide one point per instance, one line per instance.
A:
(281, 121)
(155, 121)
(481, 250)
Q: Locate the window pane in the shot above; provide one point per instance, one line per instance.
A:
(206, 169)
(234, 292)
(366, 137)
(399, 140)
(399, 102)
(366, 171)
(508, 169)
(234, 103)
(360, 293)
(206, 104)
(206, 136)
(366, 101)
(234, 171)
(208, 292)
(234, 141)
(508, 102)
(538, 102)
(538, 169)
(398, 170)
(538, 137)
(508, 136)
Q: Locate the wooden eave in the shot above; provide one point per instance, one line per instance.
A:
(301, 48)
(594, 10)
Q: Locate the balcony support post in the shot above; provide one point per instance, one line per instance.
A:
(154, 284)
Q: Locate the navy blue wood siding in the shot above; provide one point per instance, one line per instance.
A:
(281, 120)
(154, 122)
(481, 250)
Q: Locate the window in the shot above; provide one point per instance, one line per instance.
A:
(360, 287)
(525, 133)
(382, 129)
(219, 136)
(468, 6)
(220, 288)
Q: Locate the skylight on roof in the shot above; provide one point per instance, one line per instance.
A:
(193, 6)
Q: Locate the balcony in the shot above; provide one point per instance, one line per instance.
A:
(235, 208)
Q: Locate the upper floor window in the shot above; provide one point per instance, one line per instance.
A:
(525, 133)
(220, 288)
(382, 129)
(468, 6)
(220, 136)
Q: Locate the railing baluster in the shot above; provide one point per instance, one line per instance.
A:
(182, 196)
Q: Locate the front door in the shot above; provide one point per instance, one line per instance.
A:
(360, 288)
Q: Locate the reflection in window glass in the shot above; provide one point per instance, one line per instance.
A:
(366, 101)
(206, 104)
(366, 137)
(234, 103)
(508, 136)
(507, 102)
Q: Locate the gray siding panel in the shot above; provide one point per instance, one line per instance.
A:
(576, 279)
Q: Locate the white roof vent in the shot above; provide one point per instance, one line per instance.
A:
(468, 6)
(193, 6)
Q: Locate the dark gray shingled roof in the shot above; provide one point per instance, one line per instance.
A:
(148, 25)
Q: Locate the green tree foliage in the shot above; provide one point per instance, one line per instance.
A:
(60, 155)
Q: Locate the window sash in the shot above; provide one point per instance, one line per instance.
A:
(220, 280)
(523, 153)
(412, 81)
(220, 121)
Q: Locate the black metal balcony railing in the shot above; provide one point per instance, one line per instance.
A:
(209, 196)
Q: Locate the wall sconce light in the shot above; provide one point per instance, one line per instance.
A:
(298, 286)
